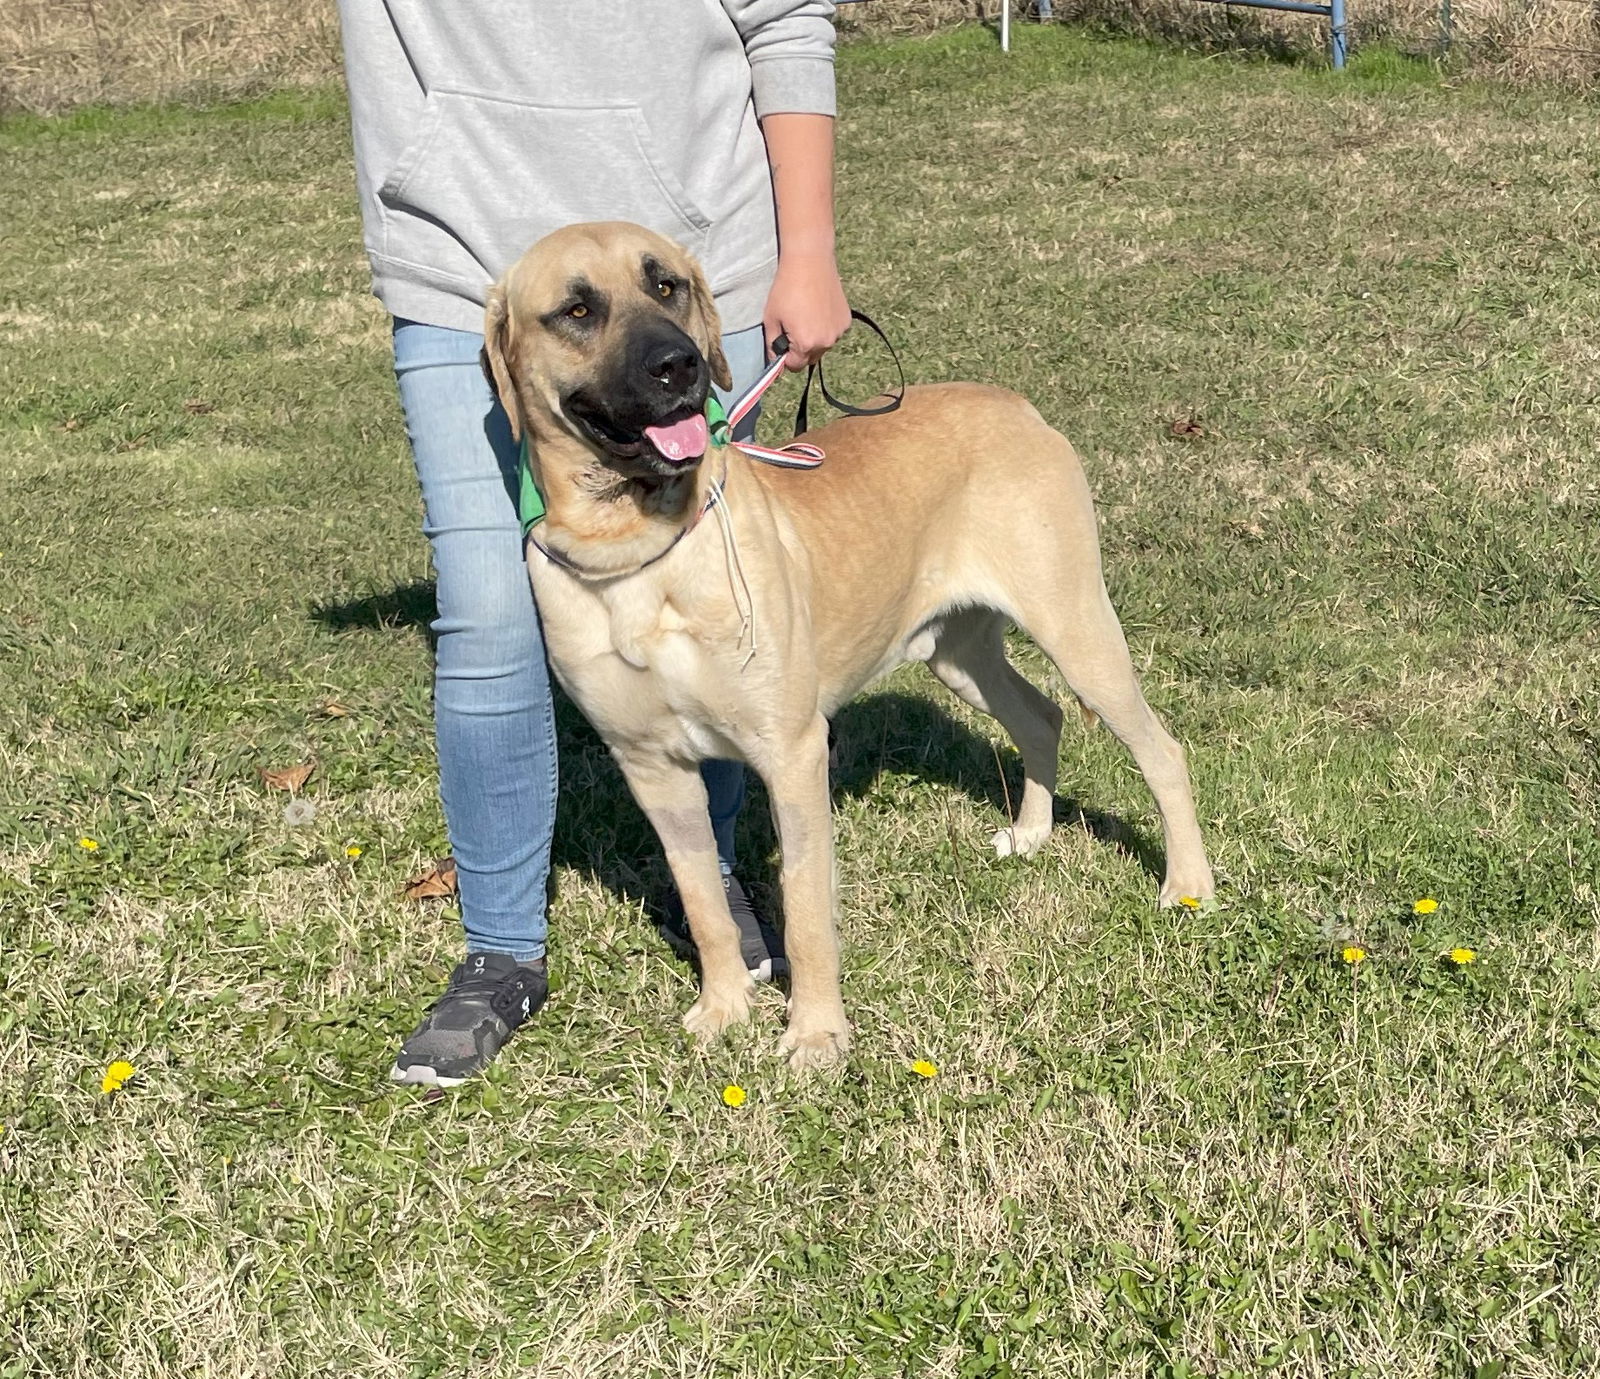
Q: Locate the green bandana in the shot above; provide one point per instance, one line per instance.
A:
(716, 421)
(530, 502)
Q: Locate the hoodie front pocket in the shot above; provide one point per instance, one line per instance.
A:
(485, 178)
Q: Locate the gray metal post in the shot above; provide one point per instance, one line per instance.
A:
(1336, 23)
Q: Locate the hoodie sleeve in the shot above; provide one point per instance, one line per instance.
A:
(790, 47)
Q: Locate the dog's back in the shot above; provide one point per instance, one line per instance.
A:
(963, 497)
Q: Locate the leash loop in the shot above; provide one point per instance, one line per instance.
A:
(780, 347)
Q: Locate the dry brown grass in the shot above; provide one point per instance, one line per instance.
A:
(59, 53)
(1555, 40)
(55, 54)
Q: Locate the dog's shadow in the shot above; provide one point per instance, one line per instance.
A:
(601, 834)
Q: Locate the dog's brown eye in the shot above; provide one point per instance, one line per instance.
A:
(577, 313)
(665, 289)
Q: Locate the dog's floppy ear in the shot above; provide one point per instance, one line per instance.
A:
(711, 324)
(496, 340)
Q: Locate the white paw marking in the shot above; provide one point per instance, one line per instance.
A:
(1019, 842)
(707, 1019)
(823, 1048)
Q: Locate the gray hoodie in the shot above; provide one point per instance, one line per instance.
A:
(482, 125)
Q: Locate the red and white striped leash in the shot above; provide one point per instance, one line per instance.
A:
(795, 455)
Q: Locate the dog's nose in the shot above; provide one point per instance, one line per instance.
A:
(674, 364)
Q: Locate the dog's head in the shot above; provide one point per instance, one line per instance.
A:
(607, 334)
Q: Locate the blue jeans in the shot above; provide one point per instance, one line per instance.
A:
(492, 708)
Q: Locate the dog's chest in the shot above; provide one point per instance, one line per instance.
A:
(644, 664)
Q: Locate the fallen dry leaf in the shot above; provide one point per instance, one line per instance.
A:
(198, 406)
(1187, 427)
(289, 778)
(334, 709)
(438, 882)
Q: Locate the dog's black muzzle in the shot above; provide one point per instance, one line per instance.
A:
(660, 377)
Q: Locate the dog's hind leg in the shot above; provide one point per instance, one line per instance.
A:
(673, 798)
(969, 658)
(1083, 637)
(797, 784)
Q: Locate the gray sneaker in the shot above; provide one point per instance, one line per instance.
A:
(758, 941)
(487, 997)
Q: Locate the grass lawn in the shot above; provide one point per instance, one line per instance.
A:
(1363, 591)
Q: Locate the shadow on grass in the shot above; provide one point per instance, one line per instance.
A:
(599, 830)
(409, 605)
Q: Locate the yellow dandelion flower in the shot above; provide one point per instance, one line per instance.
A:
(1462, 956)
(923, 1068)
(1426, 906)
(352, 851)
(733, 1095)
(1189, 902)
(117, 1076)
(88, 844)
(1353, 955)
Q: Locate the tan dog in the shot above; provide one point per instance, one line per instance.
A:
(685, 632)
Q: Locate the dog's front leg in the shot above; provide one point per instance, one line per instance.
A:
(673, 798)
(818, 1033)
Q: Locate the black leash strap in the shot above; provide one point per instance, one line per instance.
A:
(780, 347)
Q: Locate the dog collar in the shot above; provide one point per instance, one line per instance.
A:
(532, 511)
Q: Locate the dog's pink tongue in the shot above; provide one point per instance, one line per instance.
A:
(683, 440)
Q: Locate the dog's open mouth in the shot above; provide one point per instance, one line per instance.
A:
(680, 441)
(665, 446)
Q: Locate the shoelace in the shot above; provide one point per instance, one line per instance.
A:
(476, 981)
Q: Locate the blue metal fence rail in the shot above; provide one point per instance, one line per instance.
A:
(1333, 12)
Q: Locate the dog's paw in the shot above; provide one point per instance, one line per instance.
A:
(1195, 885)
(1019, 842)
(812, 1049)
(708, 1017)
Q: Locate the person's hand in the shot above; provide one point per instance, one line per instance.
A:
(807, 303)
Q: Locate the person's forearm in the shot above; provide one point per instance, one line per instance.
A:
(800, 151)
(807, 302)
